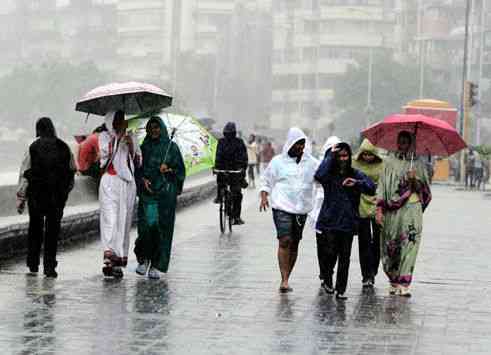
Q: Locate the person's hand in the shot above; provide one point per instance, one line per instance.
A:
(20, 204)
(411, 174)
(349, 182)
(147, 185)
(379, 216)
(263, 207)
(164, 168)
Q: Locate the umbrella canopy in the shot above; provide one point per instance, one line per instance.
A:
(433, 136)
(133, 98)
(197, 145)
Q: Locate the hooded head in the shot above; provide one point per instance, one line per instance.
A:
(342, 156)
(295, 135)
(405, 142)
(230, 130)
(45, 128)
(156, 130)
(366, 150)
(115, 123)
(331, 142)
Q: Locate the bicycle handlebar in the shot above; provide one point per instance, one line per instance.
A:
(228, 171)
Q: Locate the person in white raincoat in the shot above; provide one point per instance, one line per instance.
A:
(120, 155)
(289, 181)
(318, 191)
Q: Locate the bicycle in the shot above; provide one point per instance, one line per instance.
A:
(226, 205)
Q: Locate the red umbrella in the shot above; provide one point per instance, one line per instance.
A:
(433, 136)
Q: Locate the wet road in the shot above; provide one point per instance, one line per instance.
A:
(220, 295)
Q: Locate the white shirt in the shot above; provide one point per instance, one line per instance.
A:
(291, 185)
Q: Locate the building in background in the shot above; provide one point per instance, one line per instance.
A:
(33, 32)
(315, 41)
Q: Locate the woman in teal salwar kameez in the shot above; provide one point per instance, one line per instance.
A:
(403, 195)
(160, 182)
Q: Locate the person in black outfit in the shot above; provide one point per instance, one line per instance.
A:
(47, 177)
(339, 215)
(232, 155)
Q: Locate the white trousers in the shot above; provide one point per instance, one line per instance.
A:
(117, 199)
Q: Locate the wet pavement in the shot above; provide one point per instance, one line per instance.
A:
(220, 295)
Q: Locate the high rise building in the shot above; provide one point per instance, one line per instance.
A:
(314, 42)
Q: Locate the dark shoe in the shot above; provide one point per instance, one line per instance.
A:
(216, 200)
(117, 272)
(368, 283)
(285, 289)
(328, 288)
(51, 273)
(341, 296)
(237, 222)
(33, 269)
(107, 270)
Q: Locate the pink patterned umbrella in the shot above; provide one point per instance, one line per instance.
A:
(433, 136)
(131, 97)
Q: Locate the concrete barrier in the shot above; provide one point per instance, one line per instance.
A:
(81, 222)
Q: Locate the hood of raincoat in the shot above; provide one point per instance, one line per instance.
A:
(164, 133)
(45, 128)
(331, 142)
(295, 134)
(373, 171)
(230, 130)
(366, 146)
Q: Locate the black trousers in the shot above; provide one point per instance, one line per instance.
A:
(44, 227)
(369, 247)
(334, 247)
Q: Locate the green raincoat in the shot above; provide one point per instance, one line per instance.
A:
(368, 204)
(157, 209)
(403, 206)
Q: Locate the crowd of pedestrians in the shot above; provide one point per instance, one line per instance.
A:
(379, 198)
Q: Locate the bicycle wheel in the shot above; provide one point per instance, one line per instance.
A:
(223, 214)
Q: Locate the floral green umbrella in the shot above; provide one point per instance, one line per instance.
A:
(197, 145)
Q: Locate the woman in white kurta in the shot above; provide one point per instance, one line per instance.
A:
(120, 155)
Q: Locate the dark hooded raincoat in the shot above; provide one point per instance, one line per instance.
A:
(157, 209)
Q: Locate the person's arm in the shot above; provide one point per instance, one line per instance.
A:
(219, 156)
(104, 142)
(23, 183)
(324, 171)
(267, 181)
(243, 158)
(365, 184)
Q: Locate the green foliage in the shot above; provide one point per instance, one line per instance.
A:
(394, 84)
(49, 89)
(484, 150)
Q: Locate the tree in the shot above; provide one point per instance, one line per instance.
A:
(49, 89)
(394, 84)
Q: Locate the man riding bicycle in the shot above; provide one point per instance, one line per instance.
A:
(231, 155)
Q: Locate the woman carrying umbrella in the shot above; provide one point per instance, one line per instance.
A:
(403, 195)
(163, 173)
(120, 154)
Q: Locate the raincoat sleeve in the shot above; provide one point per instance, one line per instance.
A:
(219, 155)
(365, 184)
(267, 179)
(242, 157)
(179, 168)
(137, 153)
(22, 182)
(104, 140)
(324, 170)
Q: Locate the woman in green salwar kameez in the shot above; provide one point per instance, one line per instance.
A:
(403, 195)
(160, 182)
